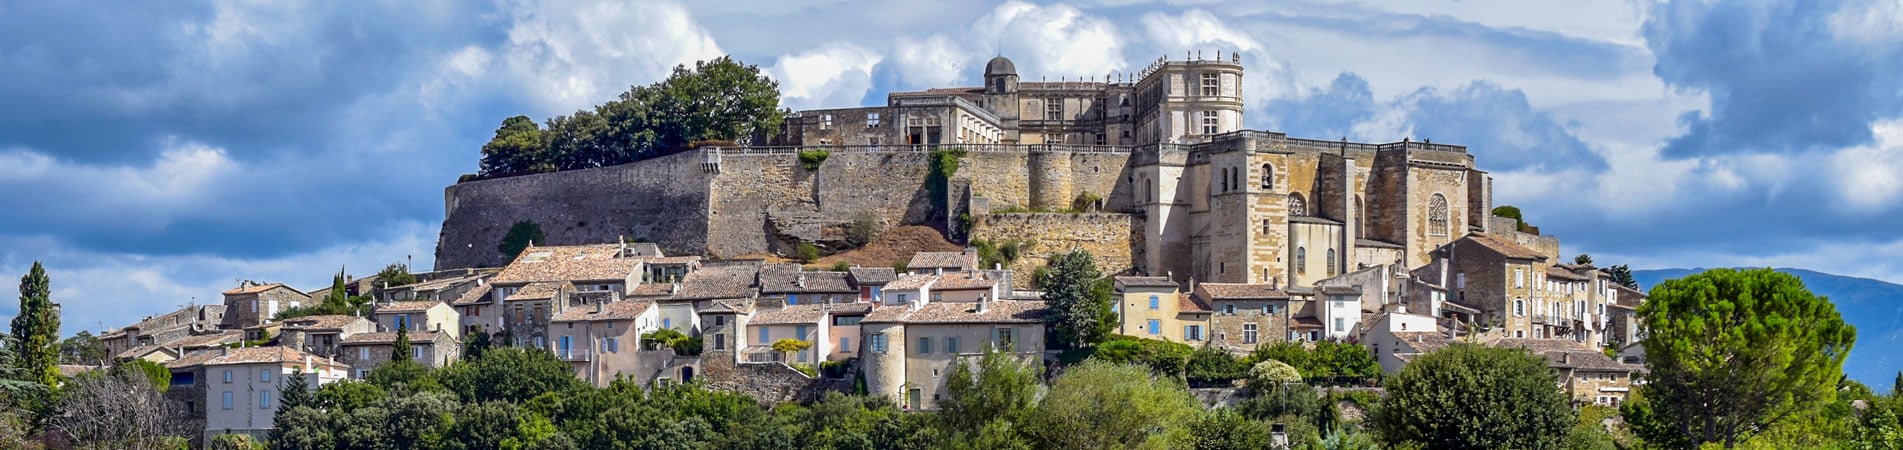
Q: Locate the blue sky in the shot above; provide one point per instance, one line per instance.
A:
(153, 154)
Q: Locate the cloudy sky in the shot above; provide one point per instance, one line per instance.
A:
(152, 153)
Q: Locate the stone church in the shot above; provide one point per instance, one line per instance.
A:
(1211, 200)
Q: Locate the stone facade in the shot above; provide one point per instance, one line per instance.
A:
(1111, 238)
(252, 304)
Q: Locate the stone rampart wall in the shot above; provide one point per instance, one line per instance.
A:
(1112, 238)
(663, 200)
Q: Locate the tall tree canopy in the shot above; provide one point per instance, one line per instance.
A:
(1082, 310)
(36, 329)
(1467, 396)
(1731, 352)
(721, 99)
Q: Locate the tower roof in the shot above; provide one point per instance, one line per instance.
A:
(1000, 66)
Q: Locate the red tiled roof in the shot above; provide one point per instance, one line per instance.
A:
(790, 315)
(1185, 302)
(964, 281)
(477, 296)
(995, 311)
(621, 310)
(946, 260)
(730, 279)
(1504, 247)
(389, 337)
(1226, 291)
(402, 307)
(256, 288)
(569, 263)
(539, 291)
(1159, 282)
(325, 322)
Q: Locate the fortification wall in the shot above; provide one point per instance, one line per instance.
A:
(663, 200)
(766, 202)
(1110, 237)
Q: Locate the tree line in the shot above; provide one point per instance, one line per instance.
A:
(717, 100)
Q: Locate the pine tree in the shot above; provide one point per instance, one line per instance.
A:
(296, 392)
(36, 329)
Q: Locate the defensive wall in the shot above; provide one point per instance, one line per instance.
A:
(729, 202)
(1113, 238)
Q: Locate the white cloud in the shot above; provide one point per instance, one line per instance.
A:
(112, 289)
(935, 61)
(1877, 23)
(184, 177)
(834, 75)
(1194, 30)
(1056, 41)
(571, 54)
(1871, 177)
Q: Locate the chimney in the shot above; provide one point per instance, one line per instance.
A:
(801, 281)
(984, 303)
(599, 305)
(1566, 358)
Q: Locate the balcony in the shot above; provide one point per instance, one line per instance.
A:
(573, 354)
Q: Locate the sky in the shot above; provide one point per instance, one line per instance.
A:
(154, 153)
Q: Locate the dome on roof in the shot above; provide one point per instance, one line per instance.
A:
(1000, 66)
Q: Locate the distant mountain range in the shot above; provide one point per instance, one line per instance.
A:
(1874, 307)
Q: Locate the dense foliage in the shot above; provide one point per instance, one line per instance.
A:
(1467, 396)
(1079, 300)
(36, 329)
(721, 100)
(1732, 352)
(1328, 363)
(520, 236)
(83, 349)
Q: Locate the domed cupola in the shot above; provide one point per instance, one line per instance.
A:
(1001, 76)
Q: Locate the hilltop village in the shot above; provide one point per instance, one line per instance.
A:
(676, 269)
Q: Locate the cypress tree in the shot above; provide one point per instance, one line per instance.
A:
(400, 351)
(36, 329)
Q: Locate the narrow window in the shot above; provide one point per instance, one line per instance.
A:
(1212, 85)
(1211, 123)
(1301, 259)
(1268, 176)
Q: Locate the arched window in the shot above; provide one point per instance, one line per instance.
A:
(1361, 218)
(1235, 178)
(1519, 307)
(1331, 262)
(1222, 179)
(1268, 176)
(1296, 206)
(1437, 215)
(1301, 259)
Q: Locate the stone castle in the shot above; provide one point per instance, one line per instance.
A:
(1154, 176)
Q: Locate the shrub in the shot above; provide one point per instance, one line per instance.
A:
(1271, 374)
(805, 252)
(863, 229)
(1085, 202)
(520, 236)
(841, 266)
(1214, 366)
(805, 369)
(811, 159)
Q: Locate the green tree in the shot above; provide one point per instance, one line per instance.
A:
(400, 350)
(1080, 310)
(1582, 259)
(396, 274)
(234, 442)
(474, 343)
(1223, 428)
(157, 375)
(521, 235)
(788, 346)
(508, 374)
(1214, 366)
(1472, 397)
(36, 329)
(805, 252)
(349, 395)
(1271, 374)
(1103, 405)
(403, 376)
(998, 387)
(720, 99)
(1510, 212)
(295, 393)
(1733, 351)
(1622, 275)
(519, 147)
(83, 348)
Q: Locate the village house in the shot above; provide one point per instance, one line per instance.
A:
(536, 285)
(939, 263)
(806, 323)
(176, 349)
(871, 281)
(1397, 337)
(365, 352)
(732, 281)
(1497, 277)
(910, 348)
(444, 288)
(1587, 376)
(253, 303)
(425, 315)
(1152, 307)
(237, 390)
(1244, 316)
(602, 340)
(164, 329)
(787, 284)
(321, 335)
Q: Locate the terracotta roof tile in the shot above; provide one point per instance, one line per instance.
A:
(403, 307)
(1146, 282)
(1565, 354)
(477, 296)
(569, 263)
(872, 275)
(790, 315)
(208, 340)
(1339, 290)
(1562, 273)
(1186, 302)
(1424, 341)
(258, 355)
(539, 291)
(256, 288)
(1307, 323)
(652, 290)
(621, 310)
(789, 278)
(1504, 247)
(194, 358)
(909, 282)
(319, 323)
(1227, 291)
(996, 311)
(728, 279)
(946, 260)
(964, 281)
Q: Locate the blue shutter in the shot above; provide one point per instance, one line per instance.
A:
(792, 299)
(1153, 302)
(1156, 326)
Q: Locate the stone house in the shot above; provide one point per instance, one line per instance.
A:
(910, 348)
(1497, 277)
(162, 330)
(263, 331)
(443, 289)
(1397, 337)
(178, 348)
(237, 390)
(320, 335)
(365, 352)
(424, 315)
(1587, 376)
(478, 310)
(1622, 316)
(806, 323)
(253, 303)
(1152, 307)
(536, 285)
(871, 281)
(843, 325)
(939, 263)
(731, 281)
(602, 341)
(787, 284)
(1244, 316)
(526, 311)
